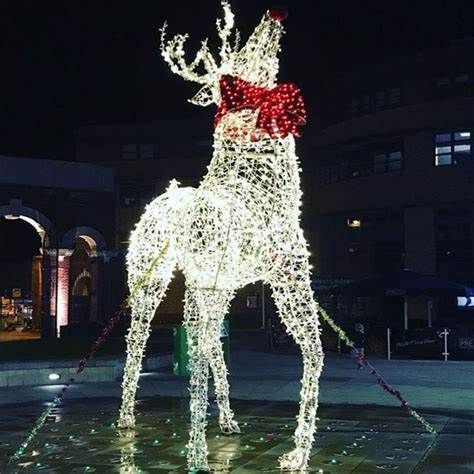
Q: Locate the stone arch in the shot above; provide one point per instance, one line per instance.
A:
(92, 236)
(42, 225)
(82, 276)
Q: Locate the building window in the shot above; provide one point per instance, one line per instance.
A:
(454, 85)
(362, 163)
(129, 152)
(353, 223)
(135, 194)
(452, 147)
(375, 101)
(141, 151)
(384, 162)
(453, 234)
(252, 302)
(147, 151)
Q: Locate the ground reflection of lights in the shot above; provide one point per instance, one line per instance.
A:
(84, 439)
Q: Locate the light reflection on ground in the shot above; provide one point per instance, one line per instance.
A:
(6, 336)
(81, 437)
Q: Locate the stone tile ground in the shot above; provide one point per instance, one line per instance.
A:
(81, 438)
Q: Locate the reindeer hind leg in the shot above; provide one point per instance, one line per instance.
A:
(298, 310)
(220, 374)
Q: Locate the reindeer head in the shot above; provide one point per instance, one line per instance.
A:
(256, 62)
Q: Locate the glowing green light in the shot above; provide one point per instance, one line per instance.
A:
(156, 442)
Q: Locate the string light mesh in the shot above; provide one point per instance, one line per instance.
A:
(241, 225)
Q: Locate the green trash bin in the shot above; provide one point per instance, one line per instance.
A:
(180, 352)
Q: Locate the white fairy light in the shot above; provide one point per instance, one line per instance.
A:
(241, 225)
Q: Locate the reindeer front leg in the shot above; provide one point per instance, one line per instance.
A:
(298, 310)
(204, 312)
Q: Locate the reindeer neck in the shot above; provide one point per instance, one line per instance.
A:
(266, 171)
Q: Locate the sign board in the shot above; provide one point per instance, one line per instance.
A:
(465, 302)
(466, 343)
(395, 292)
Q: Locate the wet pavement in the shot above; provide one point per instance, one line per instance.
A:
(81, 437)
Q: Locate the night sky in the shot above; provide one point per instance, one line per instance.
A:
(78, 62)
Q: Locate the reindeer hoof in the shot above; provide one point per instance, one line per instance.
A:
(296, 460)
(126, 422)
(203, 468)
(229, 427)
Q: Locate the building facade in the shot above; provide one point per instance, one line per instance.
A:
(393, 169)
(71, 207)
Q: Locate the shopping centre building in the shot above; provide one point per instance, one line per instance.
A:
(393, 169)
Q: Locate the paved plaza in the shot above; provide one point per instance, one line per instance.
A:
(361, 429)
(81, 437)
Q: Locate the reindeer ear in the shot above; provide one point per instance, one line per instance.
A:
(204, 97)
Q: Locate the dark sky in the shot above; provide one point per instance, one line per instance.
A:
(75, 62)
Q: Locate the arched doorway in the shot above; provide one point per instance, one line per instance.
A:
(21, 244)
(82, 281)
(84, 265)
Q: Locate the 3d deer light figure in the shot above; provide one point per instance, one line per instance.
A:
(239, 226)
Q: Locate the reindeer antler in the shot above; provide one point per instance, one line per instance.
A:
(224, 31)
(173, 53)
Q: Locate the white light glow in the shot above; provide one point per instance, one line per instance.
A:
(241, 225)
(39, 229)
(54, 376)
(353, 223)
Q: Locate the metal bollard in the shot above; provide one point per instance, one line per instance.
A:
(444, 333)
(389, 352)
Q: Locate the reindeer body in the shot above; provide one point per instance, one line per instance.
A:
(239, 226)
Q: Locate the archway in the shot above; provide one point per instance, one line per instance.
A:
(83, 282)
(21, 245)
(91, 236)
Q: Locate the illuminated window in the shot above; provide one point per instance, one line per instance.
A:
(252, 301)
(354, 223)
(452, 147)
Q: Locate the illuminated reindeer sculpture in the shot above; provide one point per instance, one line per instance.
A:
(239, 226)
